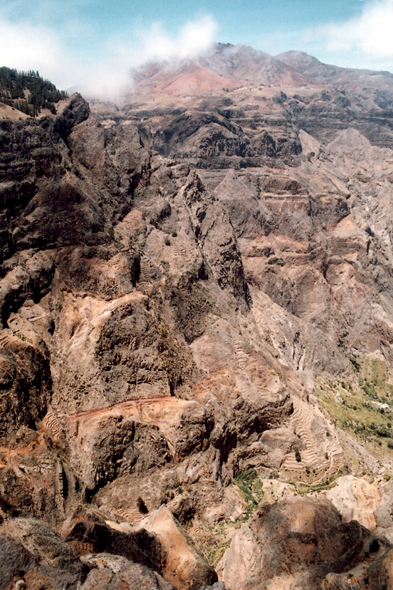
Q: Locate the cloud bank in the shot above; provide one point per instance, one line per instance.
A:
(146, 45)
(366, 39)
(25, 45)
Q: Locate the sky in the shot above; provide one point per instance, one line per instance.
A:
(91, 45)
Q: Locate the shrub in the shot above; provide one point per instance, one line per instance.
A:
(383, 431)
(141, 506)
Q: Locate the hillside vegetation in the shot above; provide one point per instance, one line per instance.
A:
(28, 91)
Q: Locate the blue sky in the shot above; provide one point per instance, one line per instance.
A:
(93, 42)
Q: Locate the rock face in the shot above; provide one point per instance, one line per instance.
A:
(108, 311)
(33, 556)
(183, 565)
(302, 543)
(383, 514)
(356, 499)
(196, 290)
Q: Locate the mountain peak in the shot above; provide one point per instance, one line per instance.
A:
(225, 66)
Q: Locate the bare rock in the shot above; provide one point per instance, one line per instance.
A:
(109, 572)
(383, 513)
(93, 536)
(356, 499)
(33, 553)
(25, 383)
(300, 543)
(184, 566)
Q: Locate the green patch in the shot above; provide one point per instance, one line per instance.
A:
(351, 404)
(376, 380)
(20, 336)
(214, 542)
(251, 487)
(215, 553)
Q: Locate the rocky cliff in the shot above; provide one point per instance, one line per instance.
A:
(196, 311)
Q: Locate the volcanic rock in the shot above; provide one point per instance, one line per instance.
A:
(356, 499)
(303, 543)
(183, 564)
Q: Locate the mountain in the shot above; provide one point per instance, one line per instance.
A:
(225, 67)
(365, 88)
(196, 296)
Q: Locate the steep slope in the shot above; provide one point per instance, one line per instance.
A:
(111, 294)
(245, 63)
(325, 73)
(190, 78)
(305, 213)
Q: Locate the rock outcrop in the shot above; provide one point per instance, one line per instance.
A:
(33, 556)
(302, 543)
(183, 565)
(356, 499)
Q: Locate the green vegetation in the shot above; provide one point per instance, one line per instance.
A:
(28, 92)
(356, 406)
(215, 542)
(303, 488)
(252, 488)
(20, 336)
(219, 543)
(255, 489)
(374, 380)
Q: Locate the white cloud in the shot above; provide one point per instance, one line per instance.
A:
(155, 43)
(25, 45)
(368, 37)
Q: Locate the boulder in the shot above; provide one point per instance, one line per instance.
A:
(302, 543)
(384, 513)
(34, 556)
(182, 564)
(91, 535)
(111, 572)
(356, 499)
